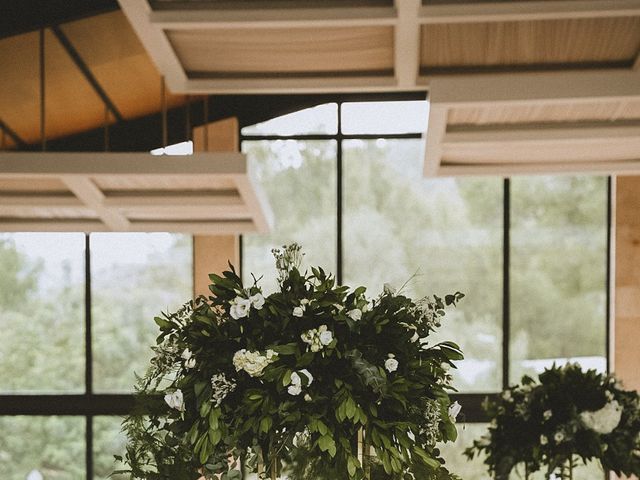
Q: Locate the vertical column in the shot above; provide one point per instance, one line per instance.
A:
(626, 328)
(212, 252)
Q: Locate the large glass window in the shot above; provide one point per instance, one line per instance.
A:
(530, 253)
(48, 363)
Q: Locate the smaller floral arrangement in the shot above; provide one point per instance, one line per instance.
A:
(568, 415)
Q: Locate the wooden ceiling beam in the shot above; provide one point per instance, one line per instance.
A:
(273, 18)
(480, 12)
(407, 43)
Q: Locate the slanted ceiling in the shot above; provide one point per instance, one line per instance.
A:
(114, 57)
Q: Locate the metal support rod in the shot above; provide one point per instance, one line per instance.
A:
(163, 106)
(205, 123)
(107, 145)
(43, 137)
(506, 260)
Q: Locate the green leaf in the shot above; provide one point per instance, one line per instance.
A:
(265, 424)
(286, 349)
(215, 436)
(286, 378)
(162, 323)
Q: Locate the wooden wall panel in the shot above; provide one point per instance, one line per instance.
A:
(585, 40)
(627, 282)
(569, 112)
(212, 252)
(285, 50)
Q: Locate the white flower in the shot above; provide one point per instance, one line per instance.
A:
(506, 395)
(294, 389)
(175, 400)
(307, 374)
(415, 337)
(257, 301)
(391, 364)
(307, 397)
(326, 337)
(186, 354)
(543, 440)
(298, 311)
(355, 314)
(445, 366)
(454, 410)
(316, 348)
(240, 307)
(220, 388)
(253, 363)
(295, 379)
(547, 414)
(190, 363)
(605, 420)
(558, 437)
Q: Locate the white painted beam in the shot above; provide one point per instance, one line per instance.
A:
(534, 88)
(58, 225)
(95, 164)
(195, 227)
(473, 12)
(321, 84)
(407, 43)
(273, 18)
(93, 198)
(436, 129)
(155, 42)
(40, 201)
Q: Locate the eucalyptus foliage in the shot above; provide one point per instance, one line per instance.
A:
(292, 379)
(567, 415)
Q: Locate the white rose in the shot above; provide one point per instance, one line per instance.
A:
(391, 364)
(355, 314)
(454, 410)
(295, 379)
(257, 301)
(240, 307)
(186, 355)
(605, 420)
(326, 337)
(316, 348)
(543, 440)
(547, 414)
(558, 437)
(294, 389)
(190, 363)
(307, 374)
(298, 311)
(175, 400)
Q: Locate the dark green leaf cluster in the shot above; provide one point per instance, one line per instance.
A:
(568, 414)
(303, 371)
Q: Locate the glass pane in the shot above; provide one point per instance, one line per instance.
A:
(108, 440)
(558, 272)
(322, 119)
(457, 462)
(134, 276)
(438, 236)
(385, 117)
(42, 312)
(299, 179)
(53, 447)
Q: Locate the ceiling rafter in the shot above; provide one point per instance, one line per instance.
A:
(14, 136)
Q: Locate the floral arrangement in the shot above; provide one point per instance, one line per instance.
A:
(567, 416)
(243, 381)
